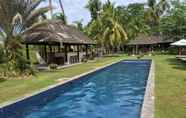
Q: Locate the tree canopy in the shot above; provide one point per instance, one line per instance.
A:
(115, 25)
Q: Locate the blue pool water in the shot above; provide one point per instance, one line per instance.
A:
(114, 92)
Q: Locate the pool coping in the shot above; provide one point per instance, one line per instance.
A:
(21, 98)
(147, 110)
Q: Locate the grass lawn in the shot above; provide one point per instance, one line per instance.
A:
(170, 84)
(170, 87)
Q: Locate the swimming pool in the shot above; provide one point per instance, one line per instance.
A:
(116, 91)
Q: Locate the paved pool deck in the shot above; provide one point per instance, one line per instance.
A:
(147, 110)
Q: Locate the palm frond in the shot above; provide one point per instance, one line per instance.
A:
(33, 6)
(34, 15)
(17, 19)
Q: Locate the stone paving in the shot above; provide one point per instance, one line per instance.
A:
(148, 103)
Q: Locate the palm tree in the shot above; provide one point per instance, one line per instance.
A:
(51, 10)
(51, 6)
(60, 16)
(94, 7)
(155, 11)
(18, 17)
(62, 9)
(79, 25)
(112, 33)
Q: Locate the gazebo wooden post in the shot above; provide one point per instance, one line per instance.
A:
(133, 50)
(27, 52)
(50, 47)
(92, 51)
(86, 46)
(78, 53)
(45, 51)
(66, 53)
(152, 49)
(180, 50)
(136, 49)
(59, 48)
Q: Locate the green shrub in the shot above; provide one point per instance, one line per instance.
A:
(53, 66)
(3, 56)
(23, 66)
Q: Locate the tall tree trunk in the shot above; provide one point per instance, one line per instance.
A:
(62, 9)
(50, 5)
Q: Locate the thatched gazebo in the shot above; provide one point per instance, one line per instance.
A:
(59, 43)
(146, 44)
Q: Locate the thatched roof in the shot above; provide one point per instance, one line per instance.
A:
(56, 32)
(148, 40)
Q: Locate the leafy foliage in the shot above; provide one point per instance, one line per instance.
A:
(133, 19)
(94, 7)
(154, 13)
(18, 17)
(79, 25)
(106, 29)
(60, 16)
(2, 54)
(173, 25)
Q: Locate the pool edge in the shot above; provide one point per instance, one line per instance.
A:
(147, 110)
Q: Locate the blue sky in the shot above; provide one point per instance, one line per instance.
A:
(75, 9)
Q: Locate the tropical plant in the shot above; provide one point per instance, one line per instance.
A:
(154, 13)
(114, 33)
(18, 17)
(173, 25)
(60, 16)
(94, 7)
(62, 9)
(2, 54)
(106, 29)
(51, 6)
(79, 25)
(132, 19)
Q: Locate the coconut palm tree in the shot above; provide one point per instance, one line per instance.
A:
(50, 5)
(61, 5)
(155, 11)
(112, 34)
(94, 7)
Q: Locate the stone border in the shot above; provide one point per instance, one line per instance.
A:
(147, 110)
(5, 104)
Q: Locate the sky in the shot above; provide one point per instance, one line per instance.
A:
(75, 9)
